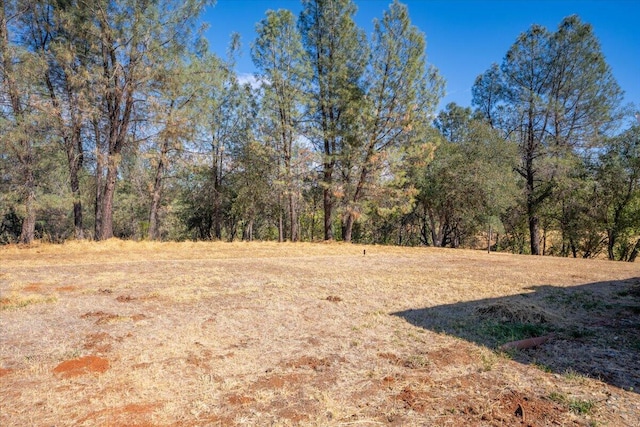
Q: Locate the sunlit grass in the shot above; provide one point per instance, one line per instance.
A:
(214, 333)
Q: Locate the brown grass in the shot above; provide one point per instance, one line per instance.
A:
(199, 334)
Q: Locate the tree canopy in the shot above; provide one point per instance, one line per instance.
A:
(117, 120)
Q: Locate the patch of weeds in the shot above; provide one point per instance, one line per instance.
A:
(572, 375)
(16, 302)
(499, 332)
(553, 297)
(578, 333)
(633, 291)
(417, 361)
(507, 354)
(488, 362)
(557, 397)
(577, 406)
(542, 367)
(634, 309)
(576, 299)
(581, 407)
(585, 300)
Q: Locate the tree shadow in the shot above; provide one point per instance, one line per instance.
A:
(594, 328)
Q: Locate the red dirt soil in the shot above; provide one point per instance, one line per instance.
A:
(81, 366)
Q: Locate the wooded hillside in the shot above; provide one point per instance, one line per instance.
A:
(117, 120)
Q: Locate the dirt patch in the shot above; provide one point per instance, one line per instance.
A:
(33, 287)
(392, 358)
(415, 361)
(318, 365)
(125, 298)
(99, 342)
(68, 288)
(201, 361)
(236, 399)
(100, 316)
(4, 372)
(510, 408)
(416, 400)
(81, 366)
(280, 381)
(103, 317)
(297, 412)
(333, 298)
(529, 410)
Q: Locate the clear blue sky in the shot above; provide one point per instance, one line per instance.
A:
(464, 37)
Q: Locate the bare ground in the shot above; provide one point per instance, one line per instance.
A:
(199, 334)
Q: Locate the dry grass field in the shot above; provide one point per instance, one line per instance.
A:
(205, 334)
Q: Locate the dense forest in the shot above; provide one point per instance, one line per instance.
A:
(116, 120)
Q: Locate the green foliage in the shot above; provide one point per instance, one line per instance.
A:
(400, 93)
(338, 53)
(279, 55)
(468, 186)
(503, 332)
(554, 95)
(618, 180)
(116, 112)
(578, 406)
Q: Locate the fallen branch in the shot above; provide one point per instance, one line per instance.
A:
(527, 343)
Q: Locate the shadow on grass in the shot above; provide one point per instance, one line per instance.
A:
(595, 328)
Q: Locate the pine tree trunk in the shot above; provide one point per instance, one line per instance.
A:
(106, 229)
(327, 195)
(347, 228)
(280, 219)
(98, 182)
(248, 231)
(155, 206)
(534, 231)
(157, 194)
(612, 238)
(293, 217)
(634, 252)
(27, 234)
(75, 164)
(98, 202)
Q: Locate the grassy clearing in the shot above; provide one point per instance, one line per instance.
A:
(195, 334)
(15, 300)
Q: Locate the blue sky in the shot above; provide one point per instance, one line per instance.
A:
(464, 37)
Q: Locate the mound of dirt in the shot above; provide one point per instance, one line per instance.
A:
(517, 312)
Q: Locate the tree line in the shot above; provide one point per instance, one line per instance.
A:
(117, 120)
